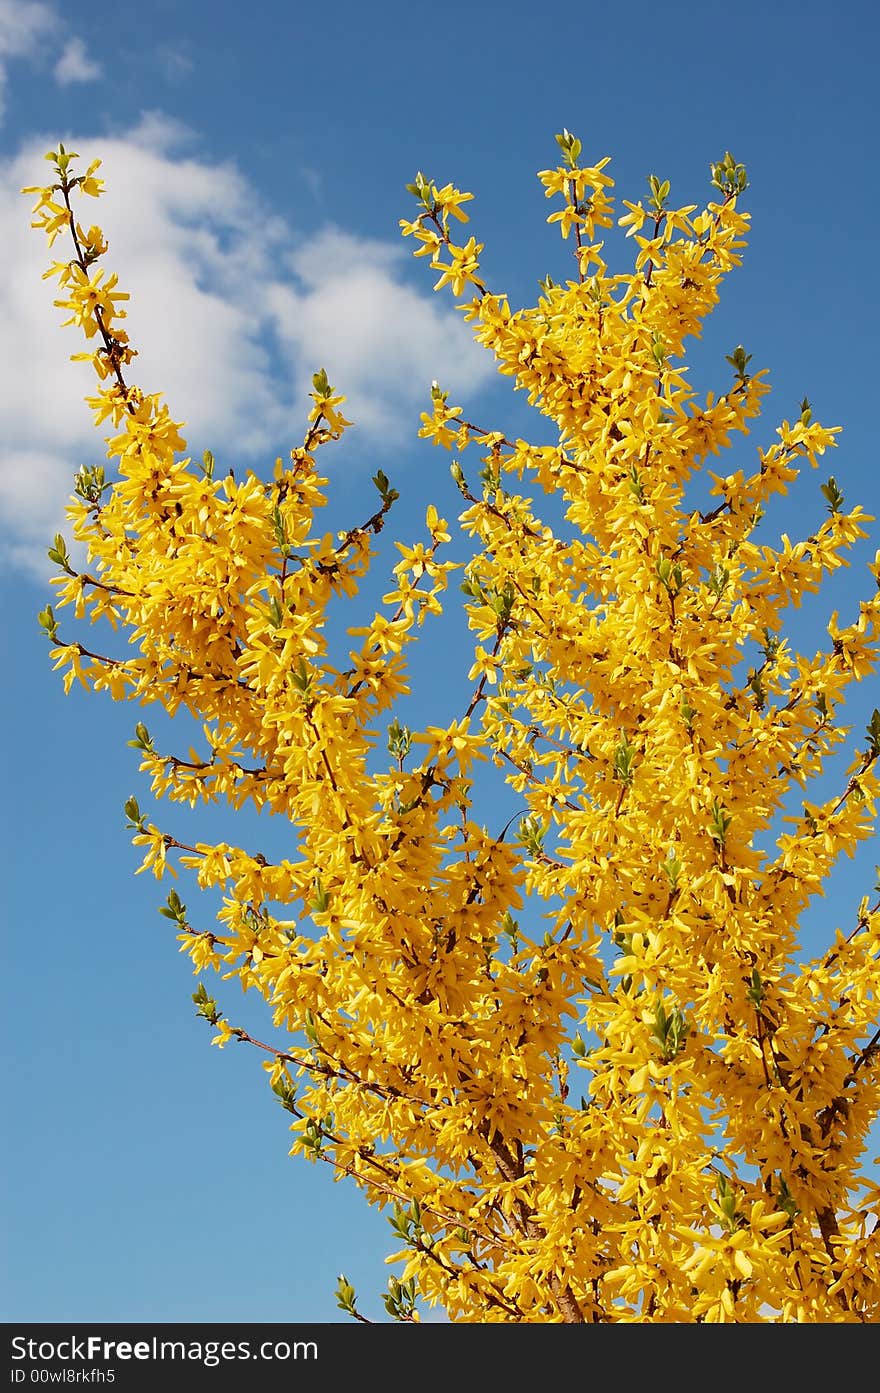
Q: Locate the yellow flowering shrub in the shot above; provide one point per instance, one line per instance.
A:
(653, 1106)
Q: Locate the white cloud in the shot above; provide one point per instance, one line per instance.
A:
(175, 64)
(75, 65)
(313, 180)
(380, 341)
(23, 26)
(231, 315)
(28, 28)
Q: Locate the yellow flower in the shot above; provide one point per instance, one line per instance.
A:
(565, 1026)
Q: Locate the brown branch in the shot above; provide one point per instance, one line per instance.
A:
(111, 344)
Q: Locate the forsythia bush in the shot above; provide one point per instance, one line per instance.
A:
(651, 1107)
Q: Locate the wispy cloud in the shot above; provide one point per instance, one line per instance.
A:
(313, 180)
(31, 30)
(75, 65)
(231, 315)
(174, 62)
(24, 24)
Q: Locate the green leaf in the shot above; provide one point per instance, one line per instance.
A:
(48, 622)
(770, 645)
(174, 908)
(207, 1006)
(345, 1293)
(738, 360)
(399, 740)
(874, 734)
(279, 526)
(720, 823)
(89, 484)
(728, 176)
(624, 761)
(570, 147)
(672, 868)
(785, 1200)
(755, 992)
(531, 834)
(142, 740)
(756, 685)
(718, 581)
(59, 554)
(833, 494)
(302, 677)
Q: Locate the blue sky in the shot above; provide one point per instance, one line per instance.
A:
(256, 159)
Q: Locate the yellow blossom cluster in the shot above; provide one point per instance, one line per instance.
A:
(652, 1107)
